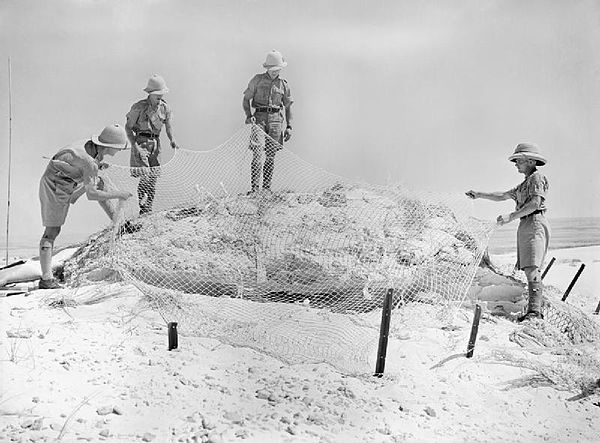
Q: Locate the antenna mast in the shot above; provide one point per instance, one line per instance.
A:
(9, 158)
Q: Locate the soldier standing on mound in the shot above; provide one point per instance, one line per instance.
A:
(72, 172)
(144, 123)
(271, 98)
(533, 233)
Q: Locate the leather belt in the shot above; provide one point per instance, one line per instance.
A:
(539, 211)
(269, 109)
(147, 135)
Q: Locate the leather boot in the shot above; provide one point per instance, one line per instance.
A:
(534, 306)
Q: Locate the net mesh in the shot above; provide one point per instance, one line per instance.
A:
(298, 271)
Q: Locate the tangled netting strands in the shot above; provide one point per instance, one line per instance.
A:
(301, 272)
(562, 351)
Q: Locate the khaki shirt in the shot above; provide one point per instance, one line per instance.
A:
(265, 91)
(75, 164)
(534, 185)
(143, 118)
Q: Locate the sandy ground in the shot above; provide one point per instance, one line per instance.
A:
(92, 365)
(586, 291)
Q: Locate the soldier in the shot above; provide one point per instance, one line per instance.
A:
(271, 98)
(144, 123)
(533, 233)
(72, 172)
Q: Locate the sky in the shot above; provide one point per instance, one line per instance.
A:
(433, 94)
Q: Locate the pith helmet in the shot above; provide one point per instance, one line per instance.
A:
(528, 150)
(156, 85)
(112, 136)
(274, 60)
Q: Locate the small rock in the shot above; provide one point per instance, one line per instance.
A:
(37, 424)
(347, 392)
(274, 398)
(104, 433)
(242, 433)
(208, 423)
(263, 394)
(19, 333)
(430, 411)
(35, 399)
(104, 410)
(451, 328)
(315, 418)
(56, 426)
(214, 437)
(234, 417)
(403, 336)
(385, 430)
(27, 423)
(148, 437)
(117, 410)
(292, 430)
(36, 436)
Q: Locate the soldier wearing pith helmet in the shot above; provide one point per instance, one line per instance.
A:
(144, 124)
(71, 172)
(268, 103)
(533, 234)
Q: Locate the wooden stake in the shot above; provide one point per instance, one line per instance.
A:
(548, 267)
(474, 329)
(579, 271)
(384, 331)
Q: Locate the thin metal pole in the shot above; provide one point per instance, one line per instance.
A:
(548, 267)
(579, 271)
(383, 333)
(597, 311)
(9, 157)
(474, 329)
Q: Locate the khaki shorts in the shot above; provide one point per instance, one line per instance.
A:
(533, 236)
(272, 126)
(55, 197)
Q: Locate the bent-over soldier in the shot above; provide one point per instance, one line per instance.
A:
(72, 172)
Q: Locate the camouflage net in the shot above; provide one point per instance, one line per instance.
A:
(299, 272)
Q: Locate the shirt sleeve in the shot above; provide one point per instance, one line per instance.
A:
(132, 116)
(90, 172)
(513, 193)
(537, 186)
(251, 89)
(168, 112)
(287, 95)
